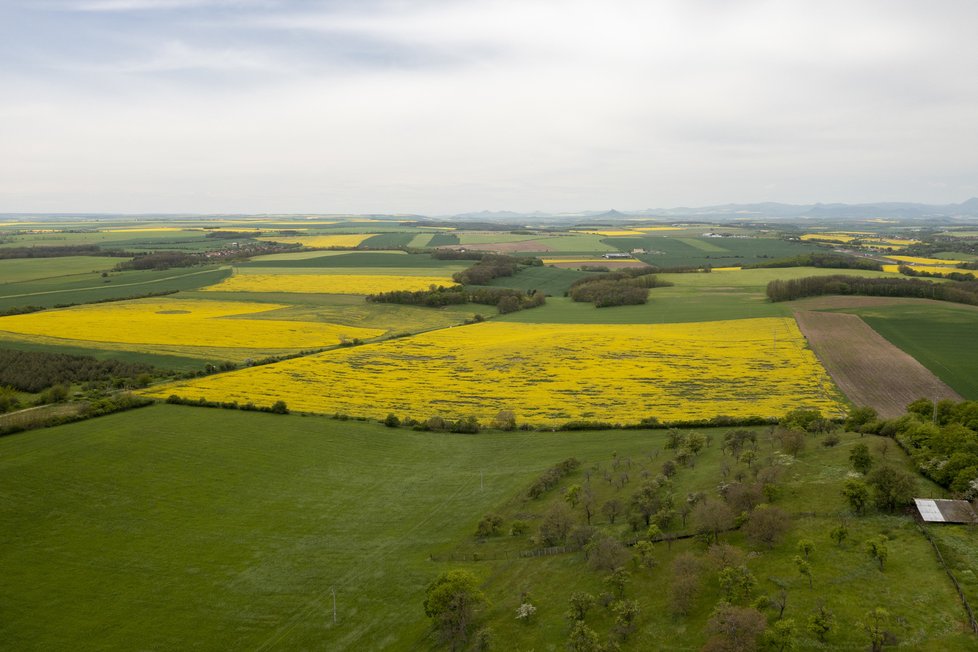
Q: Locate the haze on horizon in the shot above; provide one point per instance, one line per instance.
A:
(438, 107)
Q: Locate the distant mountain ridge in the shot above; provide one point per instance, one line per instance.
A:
(762, 210)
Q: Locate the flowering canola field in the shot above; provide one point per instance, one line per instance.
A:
(931, 269)
(327, 283)
(916, 260)
(337, 240)
(176, 322)
(548, 374)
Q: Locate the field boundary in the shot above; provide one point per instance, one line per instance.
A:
(957, 587)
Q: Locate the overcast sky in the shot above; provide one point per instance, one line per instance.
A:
(446, 106)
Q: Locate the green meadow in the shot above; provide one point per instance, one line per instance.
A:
(173, 527)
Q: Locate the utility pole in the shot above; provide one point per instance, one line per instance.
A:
(333, 591)
(482, 480)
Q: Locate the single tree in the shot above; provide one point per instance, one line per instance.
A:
(892, 487)
(821, 623)
(878, 550)
(805, 569)
(735, 628)
(860, 458)
(556, 524)
(806, 547)
(767, 525)
(625, 613)
(612, 509)
(580, 604)
(451, 601)
(583, 639)
(874, 624)
(783, 635)
(839, 534)
(857, 495)
(712, 517)
(618, 579)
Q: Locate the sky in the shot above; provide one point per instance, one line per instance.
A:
(438, 107)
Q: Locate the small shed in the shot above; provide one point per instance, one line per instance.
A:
(938, 510)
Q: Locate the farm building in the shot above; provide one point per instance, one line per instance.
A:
(616, 256)
(936, 510)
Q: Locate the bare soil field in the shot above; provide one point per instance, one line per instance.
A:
(866, 367)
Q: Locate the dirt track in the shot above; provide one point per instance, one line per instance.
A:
(866, 367)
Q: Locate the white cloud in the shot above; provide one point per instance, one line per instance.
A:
(440, 107)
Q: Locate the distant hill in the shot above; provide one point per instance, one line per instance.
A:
(763, 210)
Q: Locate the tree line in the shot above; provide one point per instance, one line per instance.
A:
(811, 286)
(824, 260)
(33, 371)
(506, 300)
(941, 439)
(47, 251)
(907, 270)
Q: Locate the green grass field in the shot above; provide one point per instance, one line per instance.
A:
(50, 292)
(360, 259)
(172, 528)
(389, 240)
(20, 270)
(673, 251)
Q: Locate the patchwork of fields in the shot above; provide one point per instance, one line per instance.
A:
(548, 374)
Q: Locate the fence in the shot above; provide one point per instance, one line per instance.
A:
(967, 607)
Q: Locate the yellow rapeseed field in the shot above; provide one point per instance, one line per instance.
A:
(831, 237)
(548, 374)
(931, 269)
(914, 260)
(327, 283)
(324, 241)
(181, 323)
(609, 232)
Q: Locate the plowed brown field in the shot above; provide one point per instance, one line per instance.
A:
(866, 367)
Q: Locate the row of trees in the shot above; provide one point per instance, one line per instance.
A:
(819, 259)
(505, 300)
(907, 270)
(779, 290)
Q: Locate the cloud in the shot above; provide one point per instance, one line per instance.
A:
(443, 106)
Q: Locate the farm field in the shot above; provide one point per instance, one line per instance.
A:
(237, 538)
(324, 241)
(328, 283)
(180, 323)
(64, 290)
(548, 374)
(933, 333)
(19, 270)
(866, 367)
